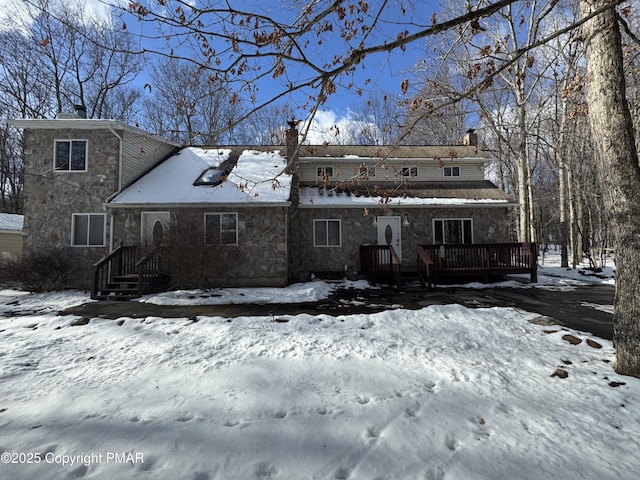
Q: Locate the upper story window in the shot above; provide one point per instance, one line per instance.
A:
(409, 171)
(70, 155)
(324, 172)
(365, 171)
(221, 228)
(88, 229)
(451, 171)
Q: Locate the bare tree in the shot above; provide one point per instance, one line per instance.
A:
(265, 127)
(11, 172)
(59, 56)
(435, 114)
(189, 107)
(617, 165)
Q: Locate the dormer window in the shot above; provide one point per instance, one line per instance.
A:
(365, 171)
(451, 171)
(70, 155)
(409, 171)
(211, 177)
(324, 172)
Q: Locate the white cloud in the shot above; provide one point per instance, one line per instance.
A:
(19, 13)
(328, 127)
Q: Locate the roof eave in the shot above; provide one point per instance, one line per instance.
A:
(114, 206)
(83, 124)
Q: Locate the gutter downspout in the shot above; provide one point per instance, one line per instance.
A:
(120, 170)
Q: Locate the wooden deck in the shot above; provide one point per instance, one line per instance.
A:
(438, 263)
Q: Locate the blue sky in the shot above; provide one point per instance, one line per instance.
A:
(385, 71)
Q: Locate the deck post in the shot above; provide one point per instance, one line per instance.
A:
(534, 263)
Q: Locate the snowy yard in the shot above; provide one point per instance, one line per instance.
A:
(444, 392)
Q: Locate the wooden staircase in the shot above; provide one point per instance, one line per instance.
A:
(121, 276)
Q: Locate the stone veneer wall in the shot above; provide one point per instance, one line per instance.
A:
(490, 225)
(50, 197)
(259, 259)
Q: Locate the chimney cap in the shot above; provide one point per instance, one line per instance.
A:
(471, 138)
(81, 110)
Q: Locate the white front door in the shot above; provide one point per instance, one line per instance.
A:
(155, 228)
(389, 233)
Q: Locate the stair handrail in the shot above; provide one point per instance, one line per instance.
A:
(424, 260)
(107, 262)
(396, 264)
(150, 263)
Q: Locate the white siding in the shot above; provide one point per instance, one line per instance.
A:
(140, 153)
(429, 170)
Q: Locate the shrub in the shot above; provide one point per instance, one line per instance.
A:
(192, 263)
(36, 271)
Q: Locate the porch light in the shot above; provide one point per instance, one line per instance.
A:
(130, 222)
(405, 220)
(375, 221)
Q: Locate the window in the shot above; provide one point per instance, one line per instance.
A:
(366, 172)
(409, 171)
(211, 177)
(326, 233)
(324, 172)
(451, 171)
(70, 155)
(452, 231)
(87, 229)
(221, 228)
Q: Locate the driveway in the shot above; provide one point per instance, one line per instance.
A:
(586, 308)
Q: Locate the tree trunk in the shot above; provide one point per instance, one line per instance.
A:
(617, 166)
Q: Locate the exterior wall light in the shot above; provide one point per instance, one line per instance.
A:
(130, 222)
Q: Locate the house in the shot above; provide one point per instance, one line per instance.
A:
(72, 165)
(10, 234)
(135, 209)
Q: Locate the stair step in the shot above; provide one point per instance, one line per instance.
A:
(132, 277)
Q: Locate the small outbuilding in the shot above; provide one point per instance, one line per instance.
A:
(10, 234)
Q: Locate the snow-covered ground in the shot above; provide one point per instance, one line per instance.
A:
(444, 392)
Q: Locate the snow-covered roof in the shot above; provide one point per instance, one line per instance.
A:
(258, 178)
(11, 222)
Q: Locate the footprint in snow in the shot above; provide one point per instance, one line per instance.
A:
(79, 472)
(343, 473)
(265, 470)
(412, 410)
(451, 443)
(373, 432)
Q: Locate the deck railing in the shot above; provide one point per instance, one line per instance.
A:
(122, 274)
(148, 268)
(381, 262)
(491, 259)
(437, 262)
(121, 262)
